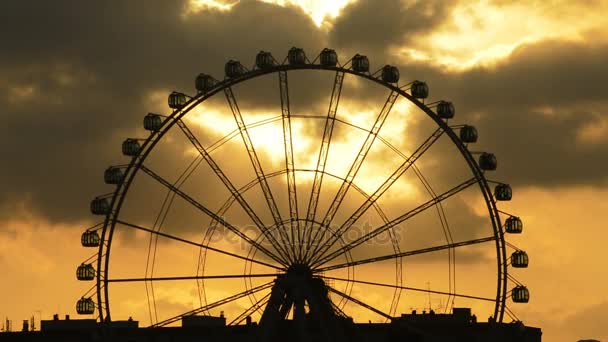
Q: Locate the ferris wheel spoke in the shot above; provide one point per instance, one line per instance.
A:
(257, 166)
(395, 222)
(215, 304)
(406, 254)
(322, 159)
(410, 288)
(254, 182)
(253, 308)
(289, 164)
(200, 277)
(188, 242)
(360, 303)
(211, 214)
(356, 165)
(233, 191)
(409, 162)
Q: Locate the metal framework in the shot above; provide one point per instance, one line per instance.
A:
(257, 166)
(385, 186)
(354, 169)
(324, 152)
(296, 237)
(297, 250)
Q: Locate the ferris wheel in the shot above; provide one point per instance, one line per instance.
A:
(271, 207)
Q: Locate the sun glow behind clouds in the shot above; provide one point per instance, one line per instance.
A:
(268, 139)
(318, 10)
(482, 33)
(199, 5)
(477, 32)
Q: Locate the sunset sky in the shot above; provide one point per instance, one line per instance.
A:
(531, 76)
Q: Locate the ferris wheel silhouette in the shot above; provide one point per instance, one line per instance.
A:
(299, 240)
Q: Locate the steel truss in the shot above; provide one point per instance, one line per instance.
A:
(297, 240)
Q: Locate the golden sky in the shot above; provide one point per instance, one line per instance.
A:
(529, 75)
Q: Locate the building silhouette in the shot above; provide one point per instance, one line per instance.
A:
(460, 325)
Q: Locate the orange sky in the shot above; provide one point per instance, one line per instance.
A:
(478, 41)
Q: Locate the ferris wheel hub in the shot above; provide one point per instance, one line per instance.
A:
(298, 270)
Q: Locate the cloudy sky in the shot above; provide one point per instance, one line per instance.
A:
(531, 76)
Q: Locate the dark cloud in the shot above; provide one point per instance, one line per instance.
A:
(548, 73)
(77, 79)
(76, 85)
(373, 27)
(531, 110)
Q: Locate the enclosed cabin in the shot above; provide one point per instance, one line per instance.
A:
(487, 161)
(234, 69)
(85, 306)
(177, 100)
(264, 60)
(100, 206)
(520, 294)
(468, 134)
(360, 63)
(503, 192)
(153, 122)
(514, 225)
(519, 259)
(446, 110)
(113, 175)
(131, 147)
(328, 57)
(85, 272)
(89, 238)
(419, 90)
(296, 56)
(390, 74)
(203, 83)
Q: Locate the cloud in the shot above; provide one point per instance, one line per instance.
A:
(376, 26)
(530, 110)
(69, 112)
(76, 85)
(71, 97)
(540, 110)
(544, 94)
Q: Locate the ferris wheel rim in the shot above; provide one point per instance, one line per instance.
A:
(150, 142)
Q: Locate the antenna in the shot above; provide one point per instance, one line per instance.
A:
(428, 285)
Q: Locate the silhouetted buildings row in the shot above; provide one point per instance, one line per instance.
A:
(458, 326)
